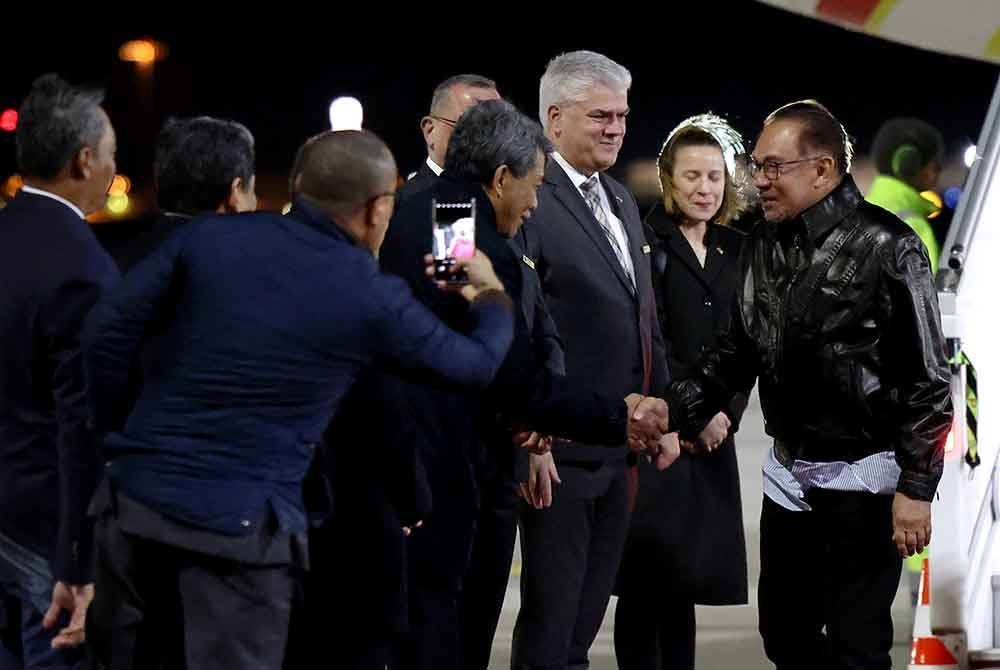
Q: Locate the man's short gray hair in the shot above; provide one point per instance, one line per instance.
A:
(56, 120)
(571, 76)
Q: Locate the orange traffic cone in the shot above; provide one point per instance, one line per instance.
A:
(928, 651)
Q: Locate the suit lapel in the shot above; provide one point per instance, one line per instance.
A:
(715, 260)
(716, 256)
(723, 250)
(681, 249)
(642, 292)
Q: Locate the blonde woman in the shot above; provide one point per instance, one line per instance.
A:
(687, 520)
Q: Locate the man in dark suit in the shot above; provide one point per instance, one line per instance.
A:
(497, 158)
(52, 270)
(266, 321)
(586, 242)
(451, 97)
(202, 165)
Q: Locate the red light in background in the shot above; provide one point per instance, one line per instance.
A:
(8, 120)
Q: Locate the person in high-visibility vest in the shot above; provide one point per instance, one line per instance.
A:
(907, 154)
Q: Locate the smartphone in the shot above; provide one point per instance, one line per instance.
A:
(453, 225)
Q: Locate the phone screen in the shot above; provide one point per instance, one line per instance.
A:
(454, 231)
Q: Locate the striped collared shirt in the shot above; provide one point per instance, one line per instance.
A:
(787, 487)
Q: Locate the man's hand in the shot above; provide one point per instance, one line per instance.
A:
(533, 442)
(75, 600)
(911, 524)
(408, 530)
(648, 422)
(715, 432)
(667, 451)
(479, 271)
(542, 474)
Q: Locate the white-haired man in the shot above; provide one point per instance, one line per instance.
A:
(585, 240)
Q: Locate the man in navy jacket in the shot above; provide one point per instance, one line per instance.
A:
(52, 270)
(263, 324)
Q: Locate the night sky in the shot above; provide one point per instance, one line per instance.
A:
(741, 61)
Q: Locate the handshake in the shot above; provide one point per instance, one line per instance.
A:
(648, 422)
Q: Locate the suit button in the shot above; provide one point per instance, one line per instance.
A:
(245, 523)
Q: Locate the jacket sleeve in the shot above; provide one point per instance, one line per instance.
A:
(661, 372)
(548, 344)
(62, 316)
(734, 410)
(914, 352)
(115, 330)
(531, 395)
(727, 369)
(530, 390)
(410, 335)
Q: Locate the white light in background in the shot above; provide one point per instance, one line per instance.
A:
(346, 113)
(970, 155)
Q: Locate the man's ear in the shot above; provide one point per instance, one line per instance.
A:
(375, 210)
(500, 180)
(826, 171)
(554, 115)
(383, 206)
(427, 125)
(231, 205)
(237, 199)
(82, 164)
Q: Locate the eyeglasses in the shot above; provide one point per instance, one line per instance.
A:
(774, 169)
(442, 119)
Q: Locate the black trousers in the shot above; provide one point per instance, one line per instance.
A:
(432, 642)
(160, 607)
(570, 553)
(654, 633)
(486, 581)
(828, 579)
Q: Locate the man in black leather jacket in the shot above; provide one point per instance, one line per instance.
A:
(838, 320)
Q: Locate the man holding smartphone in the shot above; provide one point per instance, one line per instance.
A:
(267, 322)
